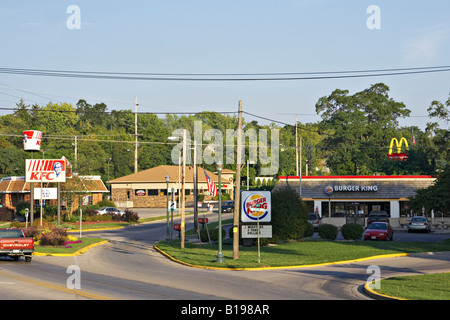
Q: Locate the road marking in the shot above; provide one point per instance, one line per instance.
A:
(55, 287)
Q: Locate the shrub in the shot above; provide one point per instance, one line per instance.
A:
(48, 235)
(6, 214)
(352, 231)
(21, 206)
(289, 215)
(130, 216)
(309, 230)
(328, 231)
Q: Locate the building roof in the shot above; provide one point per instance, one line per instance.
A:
(158, 174)
(76, 183)
(358, 187)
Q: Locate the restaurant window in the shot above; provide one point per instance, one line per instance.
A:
(152, 192)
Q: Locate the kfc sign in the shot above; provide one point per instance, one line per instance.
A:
(45, 170)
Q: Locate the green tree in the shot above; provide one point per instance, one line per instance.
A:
(357, 127)
(435, 197)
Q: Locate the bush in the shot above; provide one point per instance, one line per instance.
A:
(289, 215)
(130, 216)
(352, 231)
(309, 230)
(328, 231)
(48, 235)
(6, 214)
(21, 206)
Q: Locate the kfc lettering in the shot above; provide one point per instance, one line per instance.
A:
(45, 170)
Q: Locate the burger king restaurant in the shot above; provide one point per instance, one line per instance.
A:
(343, 199)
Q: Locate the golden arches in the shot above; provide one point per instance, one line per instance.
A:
(398, 144)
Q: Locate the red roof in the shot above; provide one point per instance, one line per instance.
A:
(357, 177)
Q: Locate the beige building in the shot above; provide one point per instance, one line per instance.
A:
(148, 188)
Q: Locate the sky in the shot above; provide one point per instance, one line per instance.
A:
(224, 37)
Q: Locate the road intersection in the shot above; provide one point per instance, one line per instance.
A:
(128, 267)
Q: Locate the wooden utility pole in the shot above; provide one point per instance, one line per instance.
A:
(135, 136)
(183, 194)
(237, 197)
(296, 148)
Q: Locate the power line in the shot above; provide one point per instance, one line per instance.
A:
(280, 76)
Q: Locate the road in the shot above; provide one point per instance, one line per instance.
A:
(128, 268)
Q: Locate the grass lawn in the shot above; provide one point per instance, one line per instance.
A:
(62, 250)
(417, 287)
(294, 253)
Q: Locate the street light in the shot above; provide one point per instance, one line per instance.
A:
(167, 191)
(182, 195)
(220, 258)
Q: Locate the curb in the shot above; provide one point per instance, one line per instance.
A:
(393, 255)
(378, 296)
(76, 253)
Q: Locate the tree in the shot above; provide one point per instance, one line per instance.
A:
(358, 127)
(435, 197)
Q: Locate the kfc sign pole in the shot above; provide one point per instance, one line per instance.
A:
(45, 170)
(32, 142)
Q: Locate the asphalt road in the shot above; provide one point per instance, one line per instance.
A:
(128, 268)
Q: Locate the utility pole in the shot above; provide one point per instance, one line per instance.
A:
(300, 180)
(296, 148)
(237, 198)
(195, 176)
(182, 195)
(135, 136)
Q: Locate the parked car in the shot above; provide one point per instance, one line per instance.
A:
(419, 224)
(315, 219)
(379, 231)
(109, 210)
(228, 206)
(377, 216)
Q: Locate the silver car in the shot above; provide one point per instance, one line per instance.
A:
(109, 210)
(315, 220)
(419, 224)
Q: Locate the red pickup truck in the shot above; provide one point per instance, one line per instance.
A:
(14, 244)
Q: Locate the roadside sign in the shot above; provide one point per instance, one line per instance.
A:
(173, 205)
(251, 231)
(47, 193)
(256, 206)
(45, 170)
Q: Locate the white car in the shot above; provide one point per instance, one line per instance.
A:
(109, 210)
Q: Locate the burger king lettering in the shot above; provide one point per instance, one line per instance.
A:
(256, 206)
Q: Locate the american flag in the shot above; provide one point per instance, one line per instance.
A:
(211, 186)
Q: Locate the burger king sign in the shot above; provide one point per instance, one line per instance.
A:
(256, 205)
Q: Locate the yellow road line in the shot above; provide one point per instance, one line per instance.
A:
(55, 287)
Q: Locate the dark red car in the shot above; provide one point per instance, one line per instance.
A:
(379, 231)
